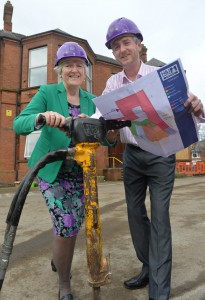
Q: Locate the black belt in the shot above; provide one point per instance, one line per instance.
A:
(134, 146)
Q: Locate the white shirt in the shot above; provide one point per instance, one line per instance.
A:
(116, 81)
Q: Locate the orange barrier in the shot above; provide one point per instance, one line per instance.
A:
(191, 168)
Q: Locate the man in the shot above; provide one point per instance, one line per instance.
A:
(151, 239)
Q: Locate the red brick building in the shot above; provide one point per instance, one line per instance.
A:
(26, 62)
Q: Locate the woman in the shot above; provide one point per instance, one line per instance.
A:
(61, 182)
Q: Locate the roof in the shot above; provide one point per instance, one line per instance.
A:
(57, 30)
(155, 62)
(107, 59)
(11, 35)
(19, 37)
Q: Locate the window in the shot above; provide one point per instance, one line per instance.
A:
(195, 155)
(37, 67)
(201, 128)
(31, 140)
(89, 78)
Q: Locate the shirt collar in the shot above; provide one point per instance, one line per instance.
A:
(126, 80)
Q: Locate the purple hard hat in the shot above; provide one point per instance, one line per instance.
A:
(120, 27)
(70, 49)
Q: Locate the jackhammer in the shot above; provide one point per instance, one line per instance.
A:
(86, 134)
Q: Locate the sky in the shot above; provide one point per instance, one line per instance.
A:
(171, 29)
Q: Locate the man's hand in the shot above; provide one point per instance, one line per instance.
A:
(196, 106)
(111, 136)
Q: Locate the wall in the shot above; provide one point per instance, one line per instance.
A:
(15, 94)
(9, 87)
(184, 155)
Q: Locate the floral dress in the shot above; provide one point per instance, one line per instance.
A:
(64, 197)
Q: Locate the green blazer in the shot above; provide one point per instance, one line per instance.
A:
(51, 97)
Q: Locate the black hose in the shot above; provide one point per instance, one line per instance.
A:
(17, 204)
(23, 189)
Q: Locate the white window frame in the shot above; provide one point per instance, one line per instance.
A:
(31, 140)
(89, 78)
(196, 155)
(37, 66)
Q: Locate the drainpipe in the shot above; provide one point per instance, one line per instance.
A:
(18, 94)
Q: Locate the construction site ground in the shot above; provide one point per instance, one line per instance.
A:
(29, 274)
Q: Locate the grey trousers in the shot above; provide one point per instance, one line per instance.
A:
(151, 238)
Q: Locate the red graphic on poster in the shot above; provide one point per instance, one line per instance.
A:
(139, 99)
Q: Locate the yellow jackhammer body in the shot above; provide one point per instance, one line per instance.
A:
(86, 136)
(99, 272)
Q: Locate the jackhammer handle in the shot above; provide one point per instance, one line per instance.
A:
(41, 119)
(115, 124)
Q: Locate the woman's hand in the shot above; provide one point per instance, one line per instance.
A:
(53, 119)
(83, 116)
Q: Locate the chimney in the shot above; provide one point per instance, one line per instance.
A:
(8, 11)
